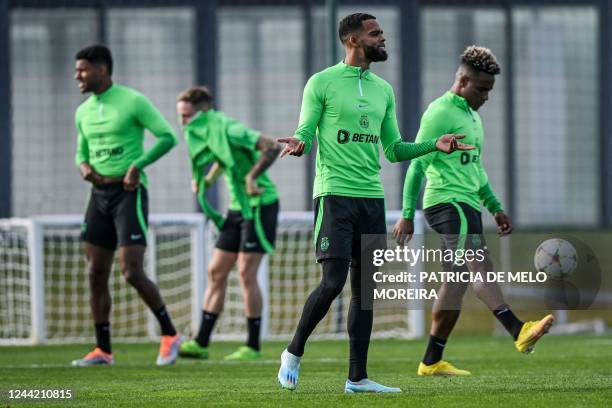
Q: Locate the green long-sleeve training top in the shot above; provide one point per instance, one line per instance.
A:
(350, 111)
(111, 128)
(456, 177)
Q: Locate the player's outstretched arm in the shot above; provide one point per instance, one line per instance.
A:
(310, 115)
(403, 151)
(269, 152)
(428, 139)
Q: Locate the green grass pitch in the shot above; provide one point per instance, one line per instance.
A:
(564, 371)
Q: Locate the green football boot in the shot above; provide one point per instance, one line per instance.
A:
(192, 349)
(244, 353)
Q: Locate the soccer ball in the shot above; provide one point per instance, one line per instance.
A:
(556, 257)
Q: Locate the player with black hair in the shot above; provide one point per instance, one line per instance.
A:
(98, 55)
(351, 111)
(111, 156)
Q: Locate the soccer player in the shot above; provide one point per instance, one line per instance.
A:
(111, 156)
(456, 186)
(351, 109)
(249, 229)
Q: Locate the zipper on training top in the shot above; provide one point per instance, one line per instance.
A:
(360, 89)
(467, 109)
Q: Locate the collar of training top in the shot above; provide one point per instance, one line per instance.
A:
(105, 93)
(200, 118)
(457, 100)
(354, 71)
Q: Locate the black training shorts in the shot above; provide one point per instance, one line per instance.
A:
(459, 225)
(115, 215)
(239, 235)
(340, 221)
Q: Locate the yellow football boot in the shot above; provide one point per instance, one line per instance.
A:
(531, 333)
(441, 368)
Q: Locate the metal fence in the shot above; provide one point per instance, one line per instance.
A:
(546, 144)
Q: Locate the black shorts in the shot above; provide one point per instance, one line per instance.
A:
(239, 235)
(115, 215)
(340, 221)
(459, 225)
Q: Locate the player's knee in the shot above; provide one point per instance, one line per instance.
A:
(130, 277)
(98, 280)
(356, 298)
(216, 276)
(134, 277)
(445, 315)
(486, 290)
(331, 289)
(334, 277)
(247, 276)
(131, 267)
(453, 291)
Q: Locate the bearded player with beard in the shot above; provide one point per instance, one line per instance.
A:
(349, 109)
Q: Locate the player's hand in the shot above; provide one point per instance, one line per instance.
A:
(403, 230)
(89, 174)
(194, 186)
(294, 146)
(504, 224)
(131, 179)
(208, 182)
(252, 188)
(86, 171)
(448, 143)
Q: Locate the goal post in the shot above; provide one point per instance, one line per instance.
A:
(44, 287)
(44, 293)
(289, 275)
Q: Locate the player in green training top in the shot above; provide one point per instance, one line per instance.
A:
(249, 229)
(457, 184)
(111, 156)
(352, 112)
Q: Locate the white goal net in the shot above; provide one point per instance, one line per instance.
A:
(44, 287)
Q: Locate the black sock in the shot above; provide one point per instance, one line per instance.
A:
(434, 351)
(318, 303)
(167, 329)
(206, 327)
(254, 326)
(103, 336)
(512, 324)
